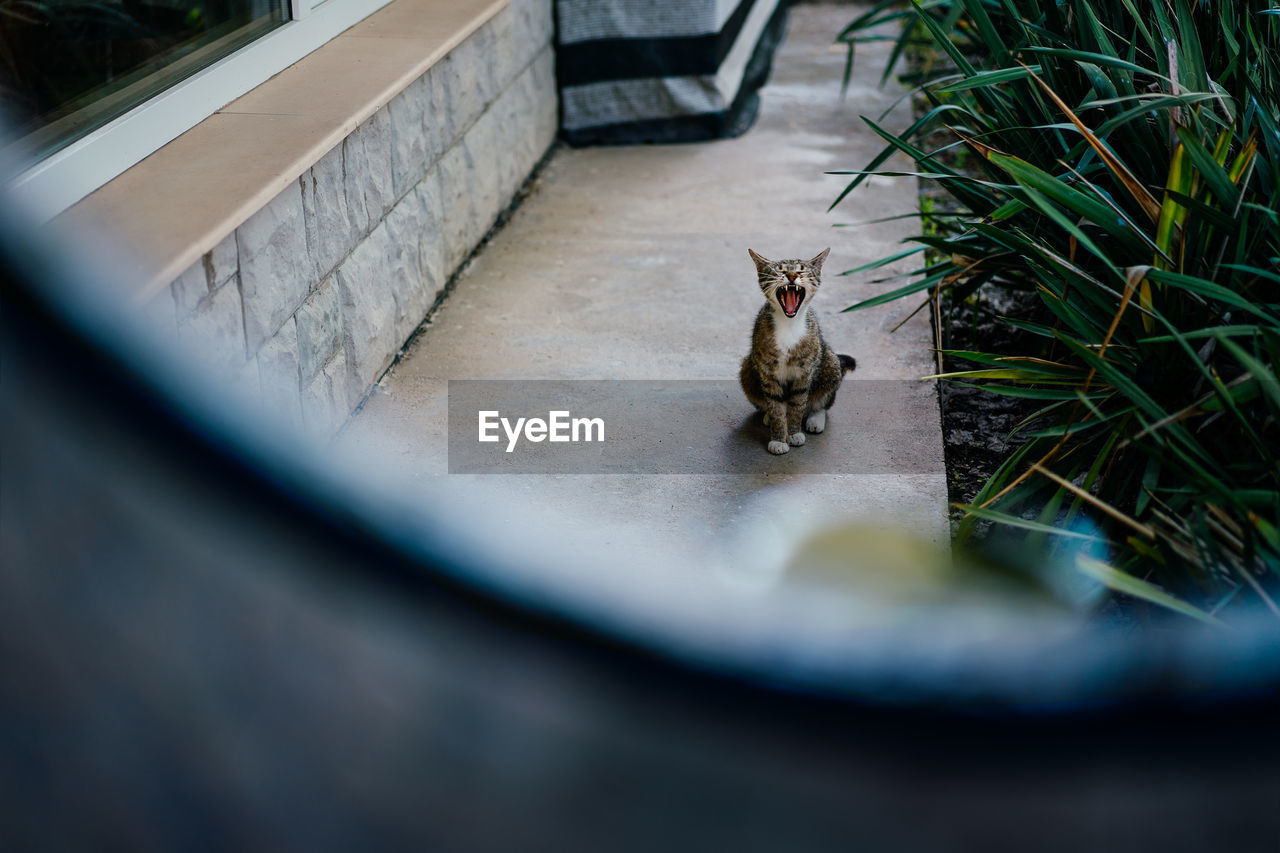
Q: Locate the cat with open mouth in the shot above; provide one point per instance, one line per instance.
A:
(791, 374)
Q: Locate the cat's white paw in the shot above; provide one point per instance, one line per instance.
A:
(777, 448)
(796, 439)
(816, 422)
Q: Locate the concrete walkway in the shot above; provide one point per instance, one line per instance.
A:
(631, 263)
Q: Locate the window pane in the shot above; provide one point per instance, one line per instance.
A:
(70, 66)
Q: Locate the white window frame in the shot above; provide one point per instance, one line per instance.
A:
(65, 177)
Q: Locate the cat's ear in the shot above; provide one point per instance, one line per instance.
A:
(762, 263)
(816, 263)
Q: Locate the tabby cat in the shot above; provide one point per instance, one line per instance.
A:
(791, 374)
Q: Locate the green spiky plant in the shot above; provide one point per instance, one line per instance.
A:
(1129, 175)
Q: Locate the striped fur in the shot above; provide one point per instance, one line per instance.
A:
(791, 374)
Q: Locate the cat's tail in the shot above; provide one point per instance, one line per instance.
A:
(847, 363)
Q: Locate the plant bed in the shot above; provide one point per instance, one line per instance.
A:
(979, 429)
(1111, 252)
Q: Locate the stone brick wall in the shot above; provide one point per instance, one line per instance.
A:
(310, 298)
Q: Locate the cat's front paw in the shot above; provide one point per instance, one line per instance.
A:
(796, 439)
(777, 448)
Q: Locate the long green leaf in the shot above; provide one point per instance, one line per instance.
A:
(1119, 581)
(1025, 524)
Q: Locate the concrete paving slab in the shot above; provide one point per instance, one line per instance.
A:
(630, 263)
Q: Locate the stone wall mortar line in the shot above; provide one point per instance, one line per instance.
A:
(341, 374)
(457, 141)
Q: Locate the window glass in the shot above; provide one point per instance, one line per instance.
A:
(70, 66)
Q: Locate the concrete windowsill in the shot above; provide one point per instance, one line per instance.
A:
(180, 202)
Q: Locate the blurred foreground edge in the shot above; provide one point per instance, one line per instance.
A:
(196, 656)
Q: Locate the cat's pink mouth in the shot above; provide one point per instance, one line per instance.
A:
(789, 297)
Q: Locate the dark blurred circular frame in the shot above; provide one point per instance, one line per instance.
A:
(211, 641)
